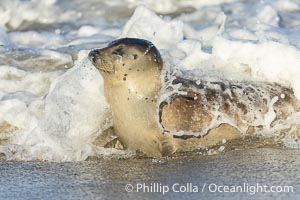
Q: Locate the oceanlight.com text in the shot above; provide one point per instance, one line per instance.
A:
(250, 189)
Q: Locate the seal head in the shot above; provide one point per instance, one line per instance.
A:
(115, 58)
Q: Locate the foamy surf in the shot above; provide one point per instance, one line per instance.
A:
(52, 105)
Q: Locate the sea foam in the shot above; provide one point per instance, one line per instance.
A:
(51, 98)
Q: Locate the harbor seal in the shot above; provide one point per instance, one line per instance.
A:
(131, 70)
(199, 114)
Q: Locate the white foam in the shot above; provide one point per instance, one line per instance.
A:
(14, 80)
(75, 113)
(270, 115)
(14, 13)
(286, 5)
(268, 60)
(16, 113)
(4, 40)
(58, 113)
(36, 39)
(144, 23)
(85, 31)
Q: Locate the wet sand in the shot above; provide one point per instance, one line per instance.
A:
(107, 178)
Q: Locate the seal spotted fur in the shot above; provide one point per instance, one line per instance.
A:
(131, 69)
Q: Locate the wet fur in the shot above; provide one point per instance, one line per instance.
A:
(242, 102)
(131, 70)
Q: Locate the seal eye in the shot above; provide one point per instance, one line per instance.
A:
(119, 51)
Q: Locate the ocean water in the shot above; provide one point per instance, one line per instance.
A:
(108, 178)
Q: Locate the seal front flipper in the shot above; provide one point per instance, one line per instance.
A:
(169, 145)
(151, 149)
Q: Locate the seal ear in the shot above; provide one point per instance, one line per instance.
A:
(92, 55)
(146, 45)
